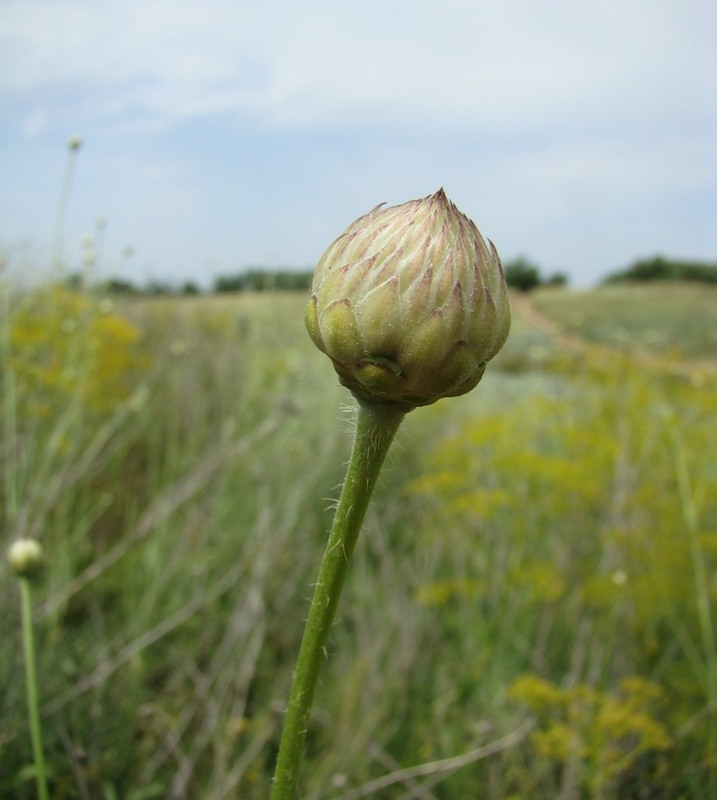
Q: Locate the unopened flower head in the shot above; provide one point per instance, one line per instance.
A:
(409, 303)
(25, 557)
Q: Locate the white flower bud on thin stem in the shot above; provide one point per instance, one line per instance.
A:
(25, 558)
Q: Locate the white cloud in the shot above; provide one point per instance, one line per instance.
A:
(464, 63)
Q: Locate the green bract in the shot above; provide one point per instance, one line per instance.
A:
(409, 303)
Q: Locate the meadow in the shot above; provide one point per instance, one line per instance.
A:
(530, 610)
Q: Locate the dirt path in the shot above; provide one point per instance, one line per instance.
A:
(524, 309)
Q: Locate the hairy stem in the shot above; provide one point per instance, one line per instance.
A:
(375, 430)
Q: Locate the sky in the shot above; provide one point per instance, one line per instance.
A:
(223, 134)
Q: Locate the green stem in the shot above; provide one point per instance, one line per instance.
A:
(9, 427)
(62, 205)
(375, 429)
(33, 706)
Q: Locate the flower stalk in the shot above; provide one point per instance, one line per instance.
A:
(33, 705)
(375, 429)
(410, 304)
(26, 560)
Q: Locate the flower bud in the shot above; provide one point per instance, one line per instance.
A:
(26, 557)
(409, 303)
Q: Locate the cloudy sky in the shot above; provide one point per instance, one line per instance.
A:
(224, 133)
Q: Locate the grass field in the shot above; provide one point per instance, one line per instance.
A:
(530, 610)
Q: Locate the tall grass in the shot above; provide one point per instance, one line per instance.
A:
(528, 613)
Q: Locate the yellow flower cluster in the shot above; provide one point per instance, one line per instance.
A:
(67, 346)
(599, 733)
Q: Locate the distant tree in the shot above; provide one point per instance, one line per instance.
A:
(659, 268)
(157, 288)
(258, 279)
(556, 279)
(291, 280)
(189, 287)
(702, 273)
(522, 274)
(228, 283)
(119, 286)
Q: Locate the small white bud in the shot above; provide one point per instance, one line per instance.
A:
(26, 557)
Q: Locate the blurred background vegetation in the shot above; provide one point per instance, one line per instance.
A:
(530, 609)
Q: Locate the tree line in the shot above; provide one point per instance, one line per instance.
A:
(659, 268)
(520, 273)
